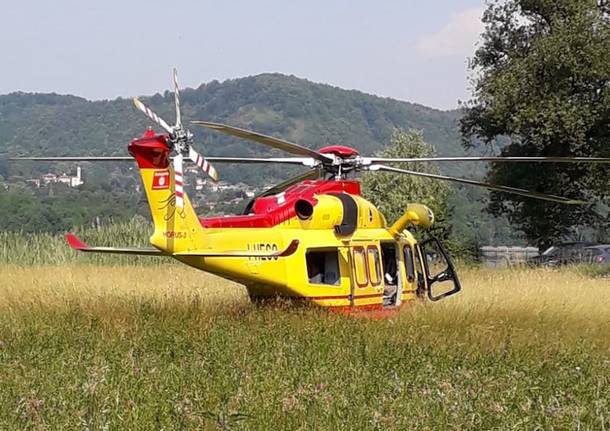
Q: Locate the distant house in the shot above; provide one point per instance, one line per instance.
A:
(49, 178)
(64, 179)
(70, 181)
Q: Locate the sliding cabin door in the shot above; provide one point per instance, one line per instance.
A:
(367, 275)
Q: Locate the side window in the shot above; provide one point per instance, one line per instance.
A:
(323, 267)
(360, 269)
(418, 267)
(373, 265)
(421, 283)
(409, 264)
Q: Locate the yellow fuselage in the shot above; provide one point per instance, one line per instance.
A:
(268, 277)
(343, 239)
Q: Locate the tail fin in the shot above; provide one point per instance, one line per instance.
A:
(176, 229)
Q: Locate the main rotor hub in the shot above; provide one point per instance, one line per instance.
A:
(344, 160)
(340, 151)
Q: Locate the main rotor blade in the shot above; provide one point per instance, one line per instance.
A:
(74, 159)
(305, 161)
(151, 115)
(506, 189)
(270, 141)
(489, 159)
(177, 99)
(309, 175)
(205, 166)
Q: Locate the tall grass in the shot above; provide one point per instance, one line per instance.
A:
(133, 347)
(17, 248)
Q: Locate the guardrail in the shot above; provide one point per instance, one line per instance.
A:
(504, 256)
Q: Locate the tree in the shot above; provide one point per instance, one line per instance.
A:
(542, 78)
(391, 193)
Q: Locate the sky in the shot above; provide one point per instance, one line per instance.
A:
(405, 49)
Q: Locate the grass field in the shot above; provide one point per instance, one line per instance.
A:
(167, 347)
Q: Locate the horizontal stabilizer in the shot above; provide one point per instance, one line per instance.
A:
(288, 251)
(76, 244)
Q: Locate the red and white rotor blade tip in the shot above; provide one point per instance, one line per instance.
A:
(177, 99)
(178, 181)
(206, 166)
(152, 116)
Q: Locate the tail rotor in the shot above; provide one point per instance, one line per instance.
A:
(180, 141)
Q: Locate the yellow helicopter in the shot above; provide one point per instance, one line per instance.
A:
(312, 237)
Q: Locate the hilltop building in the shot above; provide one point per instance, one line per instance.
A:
(50, 178)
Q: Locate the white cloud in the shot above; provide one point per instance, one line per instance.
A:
(456, 38)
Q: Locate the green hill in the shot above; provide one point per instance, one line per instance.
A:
(285, 106)
(295, 109)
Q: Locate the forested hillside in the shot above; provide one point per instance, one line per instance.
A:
(310, 114)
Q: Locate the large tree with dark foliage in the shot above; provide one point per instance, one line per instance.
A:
(542, 79)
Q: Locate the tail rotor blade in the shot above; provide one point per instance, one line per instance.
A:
(206, 166)
(152, 116)
(177, 99)
(178, 181)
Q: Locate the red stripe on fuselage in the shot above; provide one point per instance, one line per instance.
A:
(356, 297)
(269, 212)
